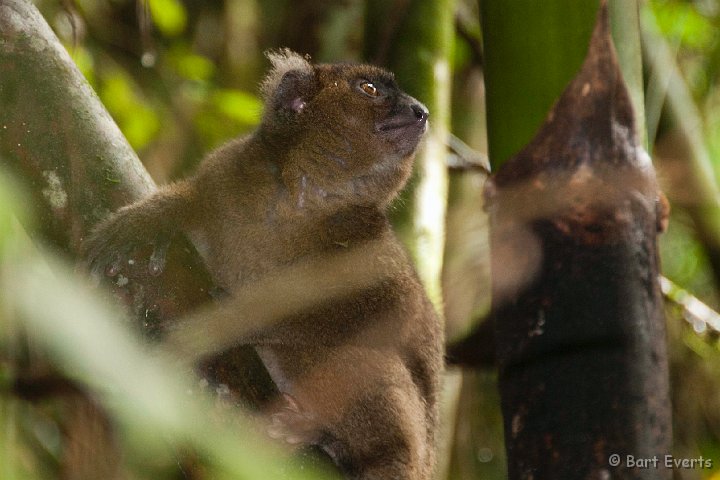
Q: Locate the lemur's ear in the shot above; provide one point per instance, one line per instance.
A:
(295, 89)
(291, 81)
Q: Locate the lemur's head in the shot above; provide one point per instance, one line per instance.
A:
(351, 130)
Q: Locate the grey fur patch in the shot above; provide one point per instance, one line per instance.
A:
(283, 61)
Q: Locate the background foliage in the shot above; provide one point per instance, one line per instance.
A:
(181, 77)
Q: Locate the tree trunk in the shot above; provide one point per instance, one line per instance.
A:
(62, 144)
(77, 167)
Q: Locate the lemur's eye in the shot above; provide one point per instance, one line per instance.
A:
(369, 89)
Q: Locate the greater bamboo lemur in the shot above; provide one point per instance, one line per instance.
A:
(358, 362)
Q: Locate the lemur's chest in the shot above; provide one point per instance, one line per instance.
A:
(239, 251)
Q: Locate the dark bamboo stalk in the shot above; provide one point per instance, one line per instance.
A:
(578, 311)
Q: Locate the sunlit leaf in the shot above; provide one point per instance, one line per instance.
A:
(226, 113)
(238, 105)
(137, 120)
(194, 67)
(169, 16)
(682, 22)
(141, 127)
(85, 63)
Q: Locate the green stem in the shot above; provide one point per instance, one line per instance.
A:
(533, 49)
(418, 51)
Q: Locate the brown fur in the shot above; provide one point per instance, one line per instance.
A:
(358, 366)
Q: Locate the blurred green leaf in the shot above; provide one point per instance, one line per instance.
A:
(16, 459)
(13, 205)
(194, 67)
(138, 122)
(461, 54)
(238, 105)
(698, 345)
(214, 128)
(85, 63)
(141, 127)
(681, 21)
(226, 113)
(684, 260)
(145, 391)
(169, 16)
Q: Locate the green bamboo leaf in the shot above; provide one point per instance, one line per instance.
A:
(145, 391)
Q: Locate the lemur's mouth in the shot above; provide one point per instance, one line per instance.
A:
(414, 116)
